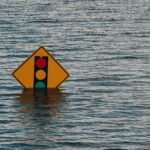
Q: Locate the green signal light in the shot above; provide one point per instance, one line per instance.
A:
(40, 84)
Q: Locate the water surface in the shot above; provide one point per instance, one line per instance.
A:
(105, 46)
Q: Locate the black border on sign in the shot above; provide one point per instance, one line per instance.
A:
(48, 55)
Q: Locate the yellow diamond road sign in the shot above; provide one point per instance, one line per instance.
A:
(41, 67)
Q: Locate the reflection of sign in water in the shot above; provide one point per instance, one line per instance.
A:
(41, 104)
(40, 70)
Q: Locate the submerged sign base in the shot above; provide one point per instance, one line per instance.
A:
(40, 70)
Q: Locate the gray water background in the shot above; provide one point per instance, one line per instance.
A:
(105, 46)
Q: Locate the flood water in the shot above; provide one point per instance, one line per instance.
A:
(105, 46)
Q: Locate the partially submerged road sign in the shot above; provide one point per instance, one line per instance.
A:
(40, 70)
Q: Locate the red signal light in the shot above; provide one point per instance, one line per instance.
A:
(41, 62)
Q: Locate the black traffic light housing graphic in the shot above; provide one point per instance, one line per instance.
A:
(40, 72)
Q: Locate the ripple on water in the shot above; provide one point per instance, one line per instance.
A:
(104, 104)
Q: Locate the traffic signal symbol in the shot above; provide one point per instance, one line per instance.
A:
(40, 72)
